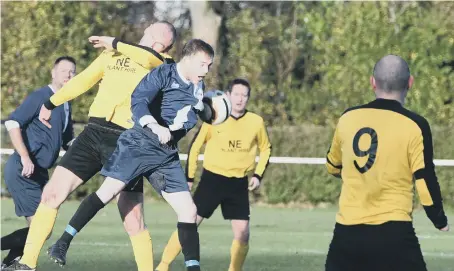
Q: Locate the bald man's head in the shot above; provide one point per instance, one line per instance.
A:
(160, 36)
(391, 73)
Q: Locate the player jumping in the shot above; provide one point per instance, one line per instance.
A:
(110, 115)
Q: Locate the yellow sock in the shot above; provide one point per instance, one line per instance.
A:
(171, 251)
(238, 253)
(40, 229)
(143, 250)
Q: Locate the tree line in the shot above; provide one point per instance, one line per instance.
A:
(306, 61)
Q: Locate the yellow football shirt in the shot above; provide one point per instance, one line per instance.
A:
(382, 150)
(120, 72)
(231, 147)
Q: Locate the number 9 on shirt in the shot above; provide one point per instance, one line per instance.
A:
(217, 107)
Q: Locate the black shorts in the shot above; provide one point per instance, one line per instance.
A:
(391, 246)
(92, 148)
(231, 193)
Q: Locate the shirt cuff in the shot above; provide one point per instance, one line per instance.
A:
(115, 43)
(11, 124)
(146, 120)
(258, 176)
(49, 105)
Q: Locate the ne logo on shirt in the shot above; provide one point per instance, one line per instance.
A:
(123, 62)
(122, 65)
(235, 144)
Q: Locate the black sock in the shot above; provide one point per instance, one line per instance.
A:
(15, 240)
(86, 211)
(12, 255)
(189, 240)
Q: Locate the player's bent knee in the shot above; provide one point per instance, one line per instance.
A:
(60, 185)
(183, 205)
(241, 230)
(243, 236)
(188, 214)
(109, 189)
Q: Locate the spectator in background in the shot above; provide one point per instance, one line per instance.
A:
(36, 150)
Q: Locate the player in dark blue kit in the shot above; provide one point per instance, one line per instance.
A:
(36, 149)
(165, 106)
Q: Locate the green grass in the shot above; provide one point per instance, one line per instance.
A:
(281, 239)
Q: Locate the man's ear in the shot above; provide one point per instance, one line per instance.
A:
(52, 73)
(373, 83)
(411, 80)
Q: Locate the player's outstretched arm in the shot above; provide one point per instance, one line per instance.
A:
(334, 157)
(202, 136)
(144, 56)
(264, 145)
(421, 159)
(78, 85)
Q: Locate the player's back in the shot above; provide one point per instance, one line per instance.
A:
(379, 144)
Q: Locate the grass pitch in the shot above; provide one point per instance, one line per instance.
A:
(281, 239)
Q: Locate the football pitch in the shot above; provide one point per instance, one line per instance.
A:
(281, 239)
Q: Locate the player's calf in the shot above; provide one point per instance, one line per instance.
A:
(240, 247)
(88, 208)
(188, 235)
(130, 206)
(86, 211)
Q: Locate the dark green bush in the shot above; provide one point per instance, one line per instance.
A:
(289, 183)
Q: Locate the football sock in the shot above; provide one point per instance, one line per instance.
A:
(189, 239)
(15, 239)
(238, 253)
(86, 211)
(40, 229)
(171, 251)
(143, 250)
(12, 255)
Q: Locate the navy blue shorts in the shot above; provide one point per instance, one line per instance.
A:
(26, 192)
(140, 154)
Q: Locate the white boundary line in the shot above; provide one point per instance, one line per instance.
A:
(281, 160)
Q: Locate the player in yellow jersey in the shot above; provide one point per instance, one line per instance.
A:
(120, 71)
(381, 151)
(229, 156)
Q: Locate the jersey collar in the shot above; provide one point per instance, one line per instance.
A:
(181, 75)
(235, 118)
(51, 88)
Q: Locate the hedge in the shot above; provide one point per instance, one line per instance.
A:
(300, 184)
